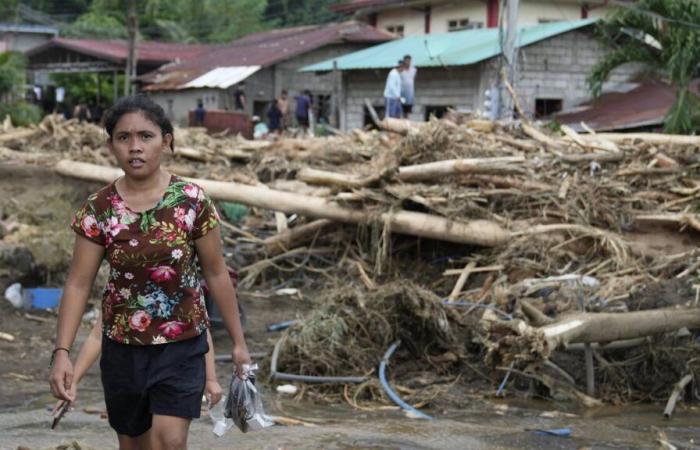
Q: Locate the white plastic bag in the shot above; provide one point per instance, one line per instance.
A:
(244, 404)
(221, 423)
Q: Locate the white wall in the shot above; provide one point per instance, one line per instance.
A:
(532, 12)
(177, 104)
(442, 14)
(413, 21)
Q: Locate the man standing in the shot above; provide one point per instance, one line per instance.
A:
(239, 100)
(392, 92)
(408, 76)
(302, 109)
(283, 104)
(199, 114)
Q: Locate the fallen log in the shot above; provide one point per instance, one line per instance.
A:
(19, 135)
(478, 232)
(516, 340)
(449, 167)
(327, 178)
(649, 138)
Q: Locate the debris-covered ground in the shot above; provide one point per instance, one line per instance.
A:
(502, 259)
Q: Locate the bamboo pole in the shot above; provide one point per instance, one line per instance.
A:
(478, 232)
(439, 169)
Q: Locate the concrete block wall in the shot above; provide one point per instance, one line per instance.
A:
(455, 86)
(557, 68)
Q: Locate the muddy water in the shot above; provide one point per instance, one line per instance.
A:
(484, 425)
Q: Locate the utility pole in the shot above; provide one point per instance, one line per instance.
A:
(508, 33)
(132, 24)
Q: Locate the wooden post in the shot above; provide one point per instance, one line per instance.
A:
(335, 97)
(131, 57)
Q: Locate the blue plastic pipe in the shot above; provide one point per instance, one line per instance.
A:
(390, 392)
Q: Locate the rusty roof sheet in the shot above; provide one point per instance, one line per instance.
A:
(116, 50)
(645, 105)
(262, 49)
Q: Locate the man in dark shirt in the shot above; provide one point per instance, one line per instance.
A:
(239, 100)
(274, 117)
(302, 108)
(199, 114)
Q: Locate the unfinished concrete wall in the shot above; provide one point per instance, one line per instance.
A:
(177, 104)
(557, 68)
(455, 87)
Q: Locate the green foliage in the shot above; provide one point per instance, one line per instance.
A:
(82, 87)
(12, 70)
(300, 12)
(21, 113)
(233, 212)
(664, 35)
(95, 25)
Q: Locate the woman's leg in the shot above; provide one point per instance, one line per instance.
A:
(169, 432)
(140, 442)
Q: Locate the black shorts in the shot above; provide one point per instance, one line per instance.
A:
(303, 121)
(142, 380)
(407, 109)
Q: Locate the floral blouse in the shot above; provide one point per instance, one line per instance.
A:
(153, 295)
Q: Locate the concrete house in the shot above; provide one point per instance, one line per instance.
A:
(456, 69)
(22, 37)
(410, 18)
(266, 63)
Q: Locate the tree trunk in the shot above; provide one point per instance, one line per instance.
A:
(478, 232)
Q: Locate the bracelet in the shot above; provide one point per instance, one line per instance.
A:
(53, 354)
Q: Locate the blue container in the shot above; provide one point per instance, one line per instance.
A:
(45, 298)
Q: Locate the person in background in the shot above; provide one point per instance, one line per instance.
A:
(239, 99)
(392, 92)
(199, 114)
(274, 117)
(151, 227)
(303, 105)
(283, 105)
(260, 129)
(81, 112)
(408, 76)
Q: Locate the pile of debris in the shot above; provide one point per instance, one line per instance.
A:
(486, 249)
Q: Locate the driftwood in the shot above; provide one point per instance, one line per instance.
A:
(520, 341)
(459, 166)
(19, 135)
(479, 232)
(295, 236)
(649, 138)
(678, 390)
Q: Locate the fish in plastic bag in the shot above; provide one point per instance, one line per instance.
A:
(244, 404)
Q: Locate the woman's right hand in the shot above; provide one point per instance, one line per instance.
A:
(61, 378)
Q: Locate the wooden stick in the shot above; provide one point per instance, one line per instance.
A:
(649, 138)
(461, 281)
(478, 232)
(677, 391)
(294, 236)
(495, 268)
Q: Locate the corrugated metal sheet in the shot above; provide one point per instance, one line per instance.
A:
(222, 77)
(459, 48)
(646, 105)
(263, 49)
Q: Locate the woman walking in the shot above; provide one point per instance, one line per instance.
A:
(151, 226)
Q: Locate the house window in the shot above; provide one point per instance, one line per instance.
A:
(545, 107)
(462, 24)
(395, 29)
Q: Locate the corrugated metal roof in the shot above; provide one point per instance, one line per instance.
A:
(117, 50)
(645, 105)
(263, 49)
(27, 28)
(222, 77)
(445, 49)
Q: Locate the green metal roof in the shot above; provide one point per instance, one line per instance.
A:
(459, 48)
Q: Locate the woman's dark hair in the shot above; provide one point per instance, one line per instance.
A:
(138, 103)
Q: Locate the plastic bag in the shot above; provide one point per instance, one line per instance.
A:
(221, 423)
(244, 404)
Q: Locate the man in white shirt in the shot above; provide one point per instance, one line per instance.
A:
(392, 92)
(408, 76)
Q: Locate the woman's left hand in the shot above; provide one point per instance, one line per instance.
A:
(240, 357)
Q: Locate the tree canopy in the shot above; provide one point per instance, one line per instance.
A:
(663, 35)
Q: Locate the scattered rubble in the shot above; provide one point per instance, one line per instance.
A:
(487, 249)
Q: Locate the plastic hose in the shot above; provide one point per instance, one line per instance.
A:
(390, 392)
